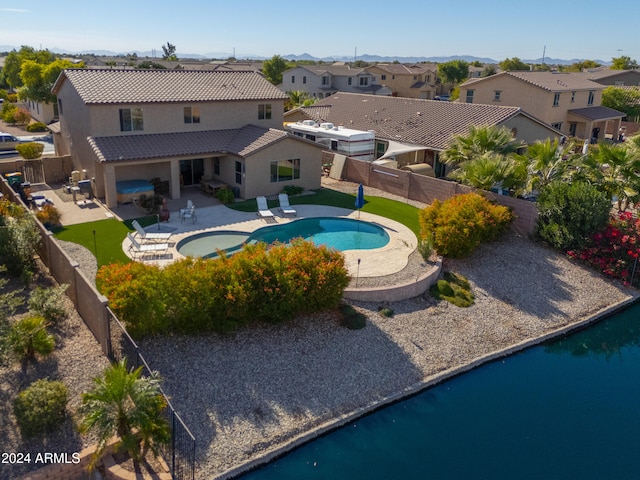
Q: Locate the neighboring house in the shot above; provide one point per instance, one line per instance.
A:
(44, 112)
(415, 131)
(414, 81)
(569, 102)
(616, 78)
(320, 81)
(180, 126)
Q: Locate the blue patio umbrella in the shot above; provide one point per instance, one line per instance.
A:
(360, 198)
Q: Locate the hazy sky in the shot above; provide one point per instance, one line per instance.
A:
(491, 28)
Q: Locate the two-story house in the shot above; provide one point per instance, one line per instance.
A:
(414, 81)
(569, 102)
(616, 78)
(320, 81)
(180, 126)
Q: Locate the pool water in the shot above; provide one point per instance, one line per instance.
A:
(567, 409)
(338, 233)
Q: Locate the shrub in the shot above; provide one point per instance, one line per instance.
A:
(292, 189)
(28, 337)
(351, 318)
(49, 302)
(225, 195)
(151, 203)
(31, 150)
(385, 311)
(425, 247)
(41, 407)
(19, 240)
(20, 116)
(49, 216)
(36, 127)
(569, 213)
(458, 225)
(8, 111)
(453, 288)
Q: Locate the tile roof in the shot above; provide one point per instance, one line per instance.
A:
(600, 73)
(422, 122)
(598, 113)
(552, 81)
(150, 86)
(239, 141)
(403, 69)
(337, 70)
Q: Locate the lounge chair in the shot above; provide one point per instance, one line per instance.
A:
(285, 208)
(263, 208)
(188, 213)
(151, 236)
(137, 248)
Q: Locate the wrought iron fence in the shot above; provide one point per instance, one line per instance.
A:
(180, 452)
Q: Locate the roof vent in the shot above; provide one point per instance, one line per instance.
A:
(326, 125)
(309, 123)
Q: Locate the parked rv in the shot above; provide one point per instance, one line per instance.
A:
(353, 143)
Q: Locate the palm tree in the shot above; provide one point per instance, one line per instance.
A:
(478, 141)
(545, 162)
(490, 170)
(298, 98)
(124, 403)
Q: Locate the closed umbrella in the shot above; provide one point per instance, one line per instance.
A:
(360, 199)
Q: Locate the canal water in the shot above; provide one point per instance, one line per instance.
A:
(568, 409)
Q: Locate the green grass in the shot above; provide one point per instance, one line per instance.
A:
(107, 246)
(400, 212)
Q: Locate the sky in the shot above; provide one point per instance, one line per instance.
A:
(495, 29)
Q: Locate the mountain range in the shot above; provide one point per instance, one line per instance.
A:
(306, 56)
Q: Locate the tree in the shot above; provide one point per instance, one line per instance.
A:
(583, 65)
(490, 170)
(488, 71)
(298, 98)
(512, 64)
(480, 140)
(545, 162)
(453, 72)
(625, 100)
(169, 52)
(13, 63)
(38, 78)
(124, 403)
(623, 63)
(274, 68)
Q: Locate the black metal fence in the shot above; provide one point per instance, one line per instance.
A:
(180, 453)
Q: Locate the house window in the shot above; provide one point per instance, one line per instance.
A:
(428, 78)
(293, 79)
(469, 96)
(191, 114)
(383, 77)
(264, 111)
(285, 170)
(496, 95)
(131, 120)
(308, 136)
(556, 99)
(557, 126)
(216, 165)
(325, 80)
(364, 81)
(304, 79)
(592, 95)
(415, 77)
(573, 97)
(349, 80)
(238, 172)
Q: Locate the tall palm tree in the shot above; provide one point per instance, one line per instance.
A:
(545, 162)
(490, 170)
(124, 403)
(480, 140)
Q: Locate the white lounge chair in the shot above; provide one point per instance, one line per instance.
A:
(140, 249)
(285, 208)
(263, 208)
(151, 236)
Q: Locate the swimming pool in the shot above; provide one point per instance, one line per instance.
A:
(338, 233)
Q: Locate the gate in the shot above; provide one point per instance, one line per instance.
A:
(33, 171)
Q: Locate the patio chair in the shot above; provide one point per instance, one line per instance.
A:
(188, 213)
(137, 248)
(263, 208)
(187, 208)
(151, 236)
(285, 208)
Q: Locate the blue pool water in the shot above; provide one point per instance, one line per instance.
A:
(338, 233)
(567, 409)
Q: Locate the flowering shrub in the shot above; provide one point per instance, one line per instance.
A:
(259, 283)
(458, 225)
(615, 250)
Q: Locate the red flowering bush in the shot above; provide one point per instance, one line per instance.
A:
(458, 225)
(259, 283)
(615, 250)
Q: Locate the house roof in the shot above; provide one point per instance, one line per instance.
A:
(402, 69)
(336, 70)
(598, 113)
(551, 81)
(151, 86)
(421, 122)
(601, 73)
(238, 141)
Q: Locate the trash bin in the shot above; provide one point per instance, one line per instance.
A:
(14, 179)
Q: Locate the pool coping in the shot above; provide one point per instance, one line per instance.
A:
(416, 388)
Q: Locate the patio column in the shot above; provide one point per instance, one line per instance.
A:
(175, 179)
(110, 191)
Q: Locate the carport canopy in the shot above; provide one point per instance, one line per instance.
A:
(397, 148)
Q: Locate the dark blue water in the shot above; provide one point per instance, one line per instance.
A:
(566, 410)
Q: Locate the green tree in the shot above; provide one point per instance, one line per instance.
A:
(14, 60)
(488, 71)
(625, 100)
(169, 52)
(480, 140)
(274, 68)
(623, 63)
(512, 64)
(582, 65)
(298, 98)
(453, 72)
(126, 404)
(491, 170)
(546, 162)
(28, 337)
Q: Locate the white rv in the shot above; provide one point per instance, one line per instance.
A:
(352, 143)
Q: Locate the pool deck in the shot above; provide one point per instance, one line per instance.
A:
(386, 260)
